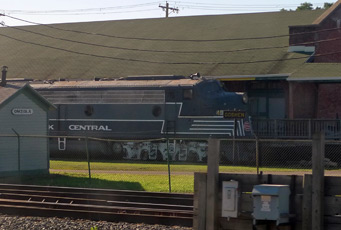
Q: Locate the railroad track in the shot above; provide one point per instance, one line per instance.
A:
(97, 204)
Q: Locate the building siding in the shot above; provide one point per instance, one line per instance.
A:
(329, 101)
(33, 151)
(303, 100)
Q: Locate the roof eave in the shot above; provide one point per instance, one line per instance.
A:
(315, 79)
(283, 76)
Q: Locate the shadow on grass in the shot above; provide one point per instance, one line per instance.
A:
(72, 181)
(138, 162)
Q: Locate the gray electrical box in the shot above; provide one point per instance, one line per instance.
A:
(230, 196)
(271, 202)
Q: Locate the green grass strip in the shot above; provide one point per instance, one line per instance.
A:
(137, 182)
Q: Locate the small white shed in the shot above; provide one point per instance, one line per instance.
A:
(24, 147)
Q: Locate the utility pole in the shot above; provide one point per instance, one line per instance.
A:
(167, 8)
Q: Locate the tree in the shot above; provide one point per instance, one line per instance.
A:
(327, 5)
(305, 6)
(309, 6)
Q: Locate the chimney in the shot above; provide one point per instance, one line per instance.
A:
(3, 78)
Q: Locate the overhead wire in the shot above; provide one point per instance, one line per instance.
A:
(162, 62)
(180, 3)
(162, 51)
(80, 10)
(165, 51)
(144, 50)
(141, 38)
(113, 12)
(244, 5)
(168, 39)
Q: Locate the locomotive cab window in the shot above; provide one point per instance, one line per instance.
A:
(188, 94)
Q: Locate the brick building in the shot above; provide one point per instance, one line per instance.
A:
(314, 89)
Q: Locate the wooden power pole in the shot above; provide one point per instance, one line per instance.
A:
(167, 8)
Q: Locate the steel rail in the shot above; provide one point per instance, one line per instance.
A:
(97, 204)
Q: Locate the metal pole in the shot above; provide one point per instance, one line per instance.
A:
(168, 162)
(257, 155)
(19, 165)
(88, 155)
(234, 142)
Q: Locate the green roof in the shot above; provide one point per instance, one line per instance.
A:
(31, 61)
(317, 72)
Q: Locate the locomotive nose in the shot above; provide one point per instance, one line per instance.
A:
(236, 101)
(244, 97)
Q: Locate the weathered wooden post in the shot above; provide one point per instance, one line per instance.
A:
(306, 203)
(212, 184)
(318, 181)
(199, 209)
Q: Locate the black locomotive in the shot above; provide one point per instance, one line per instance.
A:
(187, 110)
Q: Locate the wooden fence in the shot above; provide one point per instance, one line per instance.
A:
(300, 201)
(315, 200)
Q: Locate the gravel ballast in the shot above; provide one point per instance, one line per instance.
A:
(9, 222)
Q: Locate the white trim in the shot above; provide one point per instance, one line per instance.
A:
(240, 133)
(207, 117)
(305, 49)
(112, 120)
(242, 128)
(203, 121)
(200, 125)
(209, 129)
(195, 133)
(99, 103)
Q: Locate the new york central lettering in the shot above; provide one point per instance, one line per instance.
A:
(89, 128)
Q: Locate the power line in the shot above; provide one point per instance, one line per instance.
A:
(244, 5)
(161, 62)
(145, 50)
(86, 13)
(140, 38)
(164, 51)
(79, 10)
(170, 40)
(180, 3)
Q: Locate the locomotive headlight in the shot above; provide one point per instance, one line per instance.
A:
(245, 98)
(219, 112)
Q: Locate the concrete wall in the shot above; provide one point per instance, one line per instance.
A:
(33, 151)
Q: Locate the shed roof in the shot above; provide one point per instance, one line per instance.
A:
(42, 52)
(115, 83)
(10, 91)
